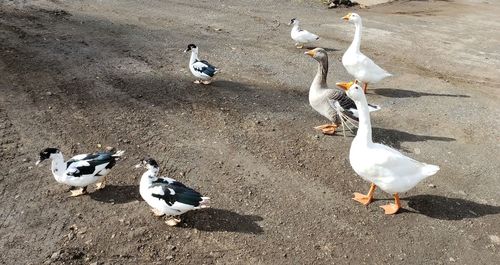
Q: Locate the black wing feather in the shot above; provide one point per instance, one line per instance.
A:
(182, 194)
(94, 160)
(208, 69)
(345, 102)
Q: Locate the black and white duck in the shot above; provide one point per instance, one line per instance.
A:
(301, 36)
(81, 170)
(166, 196)
(201, 69)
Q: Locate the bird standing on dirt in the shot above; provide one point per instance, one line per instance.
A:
(332, 103)
(381, 165)
(201, 69)
(166, 195)
(301, 36)
(356, 63)
(81, 170)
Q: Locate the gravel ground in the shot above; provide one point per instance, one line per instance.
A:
(78, 74)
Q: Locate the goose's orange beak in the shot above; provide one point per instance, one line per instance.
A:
(344, 85)
(346, 17)
(310, 53)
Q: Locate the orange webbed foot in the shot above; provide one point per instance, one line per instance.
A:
(363, 199)
(390, 208)
(328, 129)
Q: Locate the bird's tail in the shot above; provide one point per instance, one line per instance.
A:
(429, 170)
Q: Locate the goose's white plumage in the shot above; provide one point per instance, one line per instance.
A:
(81, 170)
(356, 63)
(381, 165)
(167, 196)
(301, 36)
(331, 102)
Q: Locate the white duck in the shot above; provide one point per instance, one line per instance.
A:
(81, 170)
(167, 196)
(301, 36)
(201, 69)
(356, 63)
(381, 165)
(332, 103)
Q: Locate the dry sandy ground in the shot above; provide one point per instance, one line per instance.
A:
(75, 74)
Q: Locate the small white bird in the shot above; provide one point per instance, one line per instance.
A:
(301, 36)
(201, 69)
(381, 165)
(356, 63)
(167, 196)
(81, 170)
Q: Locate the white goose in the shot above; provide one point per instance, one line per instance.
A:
(356, 63)
(201, 69)
(81, 170)
(166, 195)
(381, 165)
(301, 36)
(332, 103)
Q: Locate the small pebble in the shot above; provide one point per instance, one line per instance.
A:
(55, 255)
(495, 239)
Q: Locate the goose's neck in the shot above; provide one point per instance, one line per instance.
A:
(58, 167)
(296, 27)
(356, 42)
(364, 134)
(194, 57)
(320, 78)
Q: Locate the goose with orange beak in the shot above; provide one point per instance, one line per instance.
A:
(356, 63)
(332, 103)
(379, 164)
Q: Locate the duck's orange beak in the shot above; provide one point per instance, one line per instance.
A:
(346, 17)
(310, 53)
(344, 85)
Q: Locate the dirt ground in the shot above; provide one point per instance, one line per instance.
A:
(75, 74)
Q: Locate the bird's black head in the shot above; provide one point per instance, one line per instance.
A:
(151, 162)
(190, 47)
(148, 163)
(46, 153)
(292, 21)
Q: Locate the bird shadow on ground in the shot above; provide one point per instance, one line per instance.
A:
(402, 93)
(212, 219)
(324, 48)
(394, 138)
(445, 208)
(116, 194)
